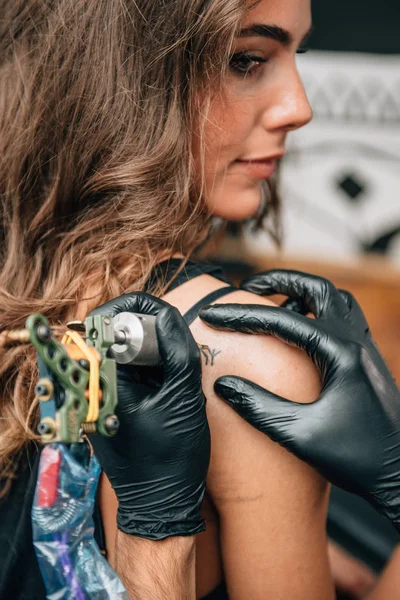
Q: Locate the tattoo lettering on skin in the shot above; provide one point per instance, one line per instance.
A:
(209, 354)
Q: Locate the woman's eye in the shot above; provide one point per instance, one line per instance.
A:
(245, 64)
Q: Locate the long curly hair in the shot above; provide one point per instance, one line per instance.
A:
(98, 104)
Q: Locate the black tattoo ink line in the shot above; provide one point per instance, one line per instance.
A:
(209, 354)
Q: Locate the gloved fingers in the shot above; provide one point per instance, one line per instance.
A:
(287, 326)
(178, 350)
(316, 294)
(354, 307)
(275, 281)
(347, 297)
(295, 306)
(267, 412)
(136, 302)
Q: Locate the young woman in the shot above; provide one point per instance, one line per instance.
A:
(125, 127)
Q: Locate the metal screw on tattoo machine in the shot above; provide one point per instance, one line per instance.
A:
(77, 393)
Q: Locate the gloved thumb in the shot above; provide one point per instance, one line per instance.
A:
(178, 349)
(269, 413)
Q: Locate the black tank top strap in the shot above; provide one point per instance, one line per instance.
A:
(193, 312)
(166, 273)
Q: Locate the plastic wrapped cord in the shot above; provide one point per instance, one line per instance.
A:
(70, 561)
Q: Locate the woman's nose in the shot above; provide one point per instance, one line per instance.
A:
(290, 108)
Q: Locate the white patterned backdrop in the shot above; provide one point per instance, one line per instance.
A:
(340, 181)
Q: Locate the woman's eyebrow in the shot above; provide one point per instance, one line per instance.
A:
(272, 32)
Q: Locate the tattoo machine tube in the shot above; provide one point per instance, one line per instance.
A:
(70, 561)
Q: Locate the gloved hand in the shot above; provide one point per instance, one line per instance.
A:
(351, 434)
(158, 461)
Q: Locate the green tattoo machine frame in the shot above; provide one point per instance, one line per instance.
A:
(63, 383)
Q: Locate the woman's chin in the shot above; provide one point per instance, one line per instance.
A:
(236, 205)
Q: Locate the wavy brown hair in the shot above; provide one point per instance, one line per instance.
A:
(97, 105)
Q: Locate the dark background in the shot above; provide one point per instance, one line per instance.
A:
(357, 25)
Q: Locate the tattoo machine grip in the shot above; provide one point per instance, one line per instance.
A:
(135, 340)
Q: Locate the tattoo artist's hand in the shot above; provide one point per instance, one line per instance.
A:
(351, 434)
(158, 461)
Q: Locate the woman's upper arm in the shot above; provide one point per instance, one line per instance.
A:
(271, 505)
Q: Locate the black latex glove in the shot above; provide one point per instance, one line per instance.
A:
(351, 434)
(158, 461)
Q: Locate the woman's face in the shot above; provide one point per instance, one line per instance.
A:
(265, 99)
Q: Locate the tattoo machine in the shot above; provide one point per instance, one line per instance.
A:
(77, 391)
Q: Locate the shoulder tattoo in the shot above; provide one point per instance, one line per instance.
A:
(209, 354)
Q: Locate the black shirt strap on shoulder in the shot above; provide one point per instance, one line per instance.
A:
(193, 312)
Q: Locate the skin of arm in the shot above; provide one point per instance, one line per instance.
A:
(271, 506)
(163, 570)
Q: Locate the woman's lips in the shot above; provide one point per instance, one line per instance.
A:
(259, 169)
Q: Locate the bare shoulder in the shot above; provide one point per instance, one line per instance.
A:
(269, 363)
(286, 371)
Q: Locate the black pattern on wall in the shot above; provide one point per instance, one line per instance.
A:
(341, 177)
